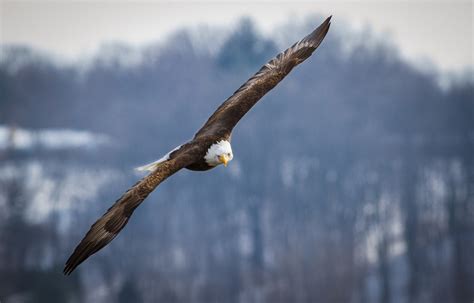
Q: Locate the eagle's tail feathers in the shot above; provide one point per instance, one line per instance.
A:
(150, 166)
(153, 165)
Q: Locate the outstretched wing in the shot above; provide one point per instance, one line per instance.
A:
(111, 223)
(236, 106)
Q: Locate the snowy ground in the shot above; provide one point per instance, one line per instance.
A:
(22, 139)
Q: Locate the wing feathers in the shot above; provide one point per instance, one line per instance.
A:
(235, 107)
(104, 230)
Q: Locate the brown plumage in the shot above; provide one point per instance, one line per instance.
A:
(191, 155)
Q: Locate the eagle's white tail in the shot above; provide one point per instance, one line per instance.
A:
(153, 165)
(150, 166)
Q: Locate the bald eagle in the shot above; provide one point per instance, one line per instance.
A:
(209, 148)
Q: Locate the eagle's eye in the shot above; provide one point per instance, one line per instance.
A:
(228, 154)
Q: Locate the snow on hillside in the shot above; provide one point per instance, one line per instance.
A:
(23, 139)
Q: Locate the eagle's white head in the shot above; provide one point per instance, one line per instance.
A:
(219, 153)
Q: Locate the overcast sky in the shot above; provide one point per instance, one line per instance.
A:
(440, 31)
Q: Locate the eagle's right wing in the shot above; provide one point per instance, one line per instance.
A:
(236, 106)
(114, 220)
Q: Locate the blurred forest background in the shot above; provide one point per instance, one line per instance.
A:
(352, 181)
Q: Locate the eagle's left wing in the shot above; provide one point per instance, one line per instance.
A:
(104, 230)
(236, 106)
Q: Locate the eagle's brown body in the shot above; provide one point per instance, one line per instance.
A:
(191, 154)
(199, 146)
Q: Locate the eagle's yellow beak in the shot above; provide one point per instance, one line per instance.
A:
(223, 159)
